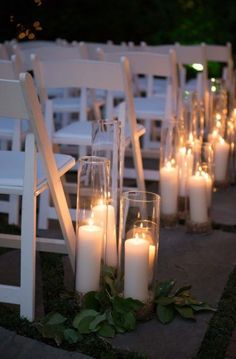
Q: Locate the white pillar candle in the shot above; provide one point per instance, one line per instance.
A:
(197, 199)
(136, 269)
(89, 252)
(168, 189)
(101, 214)
(221, 159)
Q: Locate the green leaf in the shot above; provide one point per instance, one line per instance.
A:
(133, 304)
(118, 319)
(185, 312)
(124, 305)
(95, 324)
(165, 313)
(90, 301)
(107, 331)
(71, 336)
(164, 288)
(130, 321)
(84, 325)
(202, 306)
(104, 299)
(110, 318)
(85, 313)
(165, 300)
(55, 319)
(181, 290)
(185, 301)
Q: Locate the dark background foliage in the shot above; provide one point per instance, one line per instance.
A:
(153, 21)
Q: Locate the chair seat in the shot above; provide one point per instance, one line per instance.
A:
(80, 133)
(150, 108)
(76, 133)
(12, 178)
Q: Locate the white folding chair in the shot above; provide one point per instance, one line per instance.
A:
(88, 75)
(28, 174)
(153, 107)
(10, 136)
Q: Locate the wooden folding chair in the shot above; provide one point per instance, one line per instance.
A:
(88, 75)
(28, 174)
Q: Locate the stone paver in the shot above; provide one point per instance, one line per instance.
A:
(224, 206)
(203, 261)
(14, 346)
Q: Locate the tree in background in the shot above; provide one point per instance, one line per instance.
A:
(153, 21)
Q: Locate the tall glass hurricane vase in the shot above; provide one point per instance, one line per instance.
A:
(169, 174)
(92, 213)
(138, 244)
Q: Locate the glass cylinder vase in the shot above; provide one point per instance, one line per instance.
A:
(107, 142)
(138, 244)
(200, 185)
(92, 214)
(169, 174)
(221, 162)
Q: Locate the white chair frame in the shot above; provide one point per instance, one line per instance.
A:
(18, 99)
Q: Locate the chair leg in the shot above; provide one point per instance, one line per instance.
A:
(28, 255)
(138, 163)
(28, 233)
(44, 203)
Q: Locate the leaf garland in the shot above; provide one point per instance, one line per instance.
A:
(180, 302)
(105, 313)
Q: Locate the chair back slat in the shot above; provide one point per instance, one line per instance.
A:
(7, 70)
(145, 63)
(46, 53)
(78, 74)
(189, 54)
(12, 103)
(221, 53)
(159, 49)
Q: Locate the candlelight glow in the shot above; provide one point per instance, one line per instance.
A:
(221, 140)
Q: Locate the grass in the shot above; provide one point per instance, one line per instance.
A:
(221, 325)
